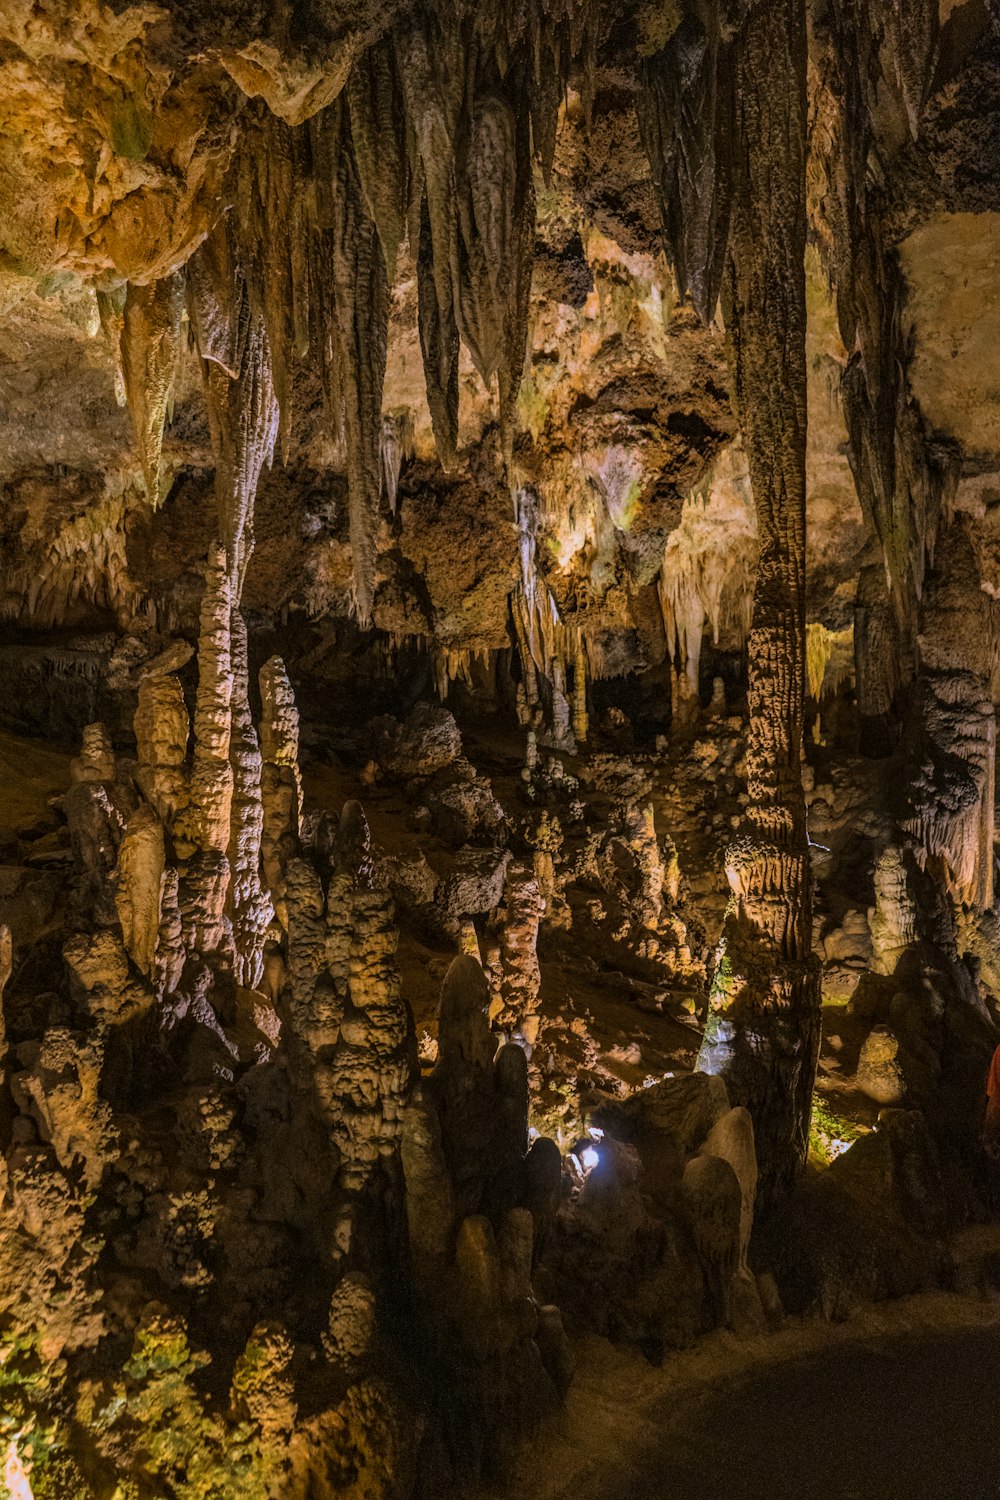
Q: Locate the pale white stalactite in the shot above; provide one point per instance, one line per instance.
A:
(397, 447)
(708, 564)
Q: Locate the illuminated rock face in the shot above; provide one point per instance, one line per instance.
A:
(594, 416)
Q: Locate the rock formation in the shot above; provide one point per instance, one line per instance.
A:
(591, 410)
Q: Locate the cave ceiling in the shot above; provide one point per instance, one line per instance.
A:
(122, 133)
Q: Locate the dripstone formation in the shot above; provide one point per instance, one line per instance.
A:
(499, 536)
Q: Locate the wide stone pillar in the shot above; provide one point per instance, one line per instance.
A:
(762, 1034)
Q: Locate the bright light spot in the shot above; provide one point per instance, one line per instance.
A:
(532, 1133)
(14, 1474)
(589, 1158)
(595, 1134)
(837, 1148)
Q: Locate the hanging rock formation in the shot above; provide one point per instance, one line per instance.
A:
(592, 411)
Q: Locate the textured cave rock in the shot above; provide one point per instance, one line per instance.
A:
(499, 551)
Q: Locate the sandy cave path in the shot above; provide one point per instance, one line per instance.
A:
(901, 1402)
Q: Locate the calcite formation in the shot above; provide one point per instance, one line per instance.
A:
(499, 553)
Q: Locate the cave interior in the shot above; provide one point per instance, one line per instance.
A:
(499, 655)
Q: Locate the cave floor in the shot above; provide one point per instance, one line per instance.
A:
(895, 1419)
(896, 1403)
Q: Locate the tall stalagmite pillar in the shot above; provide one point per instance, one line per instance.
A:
(763, 1028)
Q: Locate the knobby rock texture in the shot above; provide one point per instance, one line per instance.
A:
(499, 537)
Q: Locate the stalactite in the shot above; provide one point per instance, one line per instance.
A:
(434, 132)
(952, 783)
(397, 447)
(361, 305)
(378, 135)
(763, 1030)
(881, 59)
(708, 565)
(150, 354)
(827, 667)
(439, 344)
(111, 312)
(472, 157)
(85, 560)
(214, 283)
(685, 118)
(244, 416)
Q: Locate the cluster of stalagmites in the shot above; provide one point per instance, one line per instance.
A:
(233, 974)
(480, 1205)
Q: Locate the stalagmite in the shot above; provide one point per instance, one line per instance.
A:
(97, 808)
(251, 907)
(562, 731)
(281, 783)
(139, 881)
(314, 1011)
(6, 969)
(369, 1074)
(346, 1009)
(516, 479)
(211, 770)
(96, 761)
(581, 722)
(521, 977)
(893, 919)
(169, 963)
(162, 730)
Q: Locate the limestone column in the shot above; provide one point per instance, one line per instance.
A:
(763, 1029)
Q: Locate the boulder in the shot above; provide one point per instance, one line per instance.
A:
(880, 1074)
(476, 882)
(426, 742)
